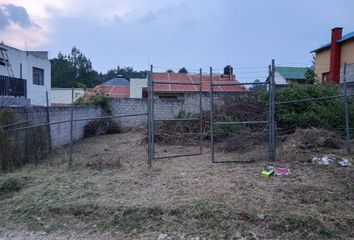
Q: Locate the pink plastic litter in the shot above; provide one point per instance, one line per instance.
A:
(282, 171)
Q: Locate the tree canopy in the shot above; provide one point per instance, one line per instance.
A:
(258, 87)
(75, 70)
(183, 70)
(311, 76)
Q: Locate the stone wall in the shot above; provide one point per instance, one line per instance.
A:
(164, 108)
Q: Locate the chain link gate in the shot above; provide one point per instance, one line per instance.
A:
(241, 120)
(180, 121)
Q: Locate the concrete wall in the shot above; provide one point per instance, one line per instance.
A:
(22, 64)
(14, 101)
(164, 108)
(60, 133)
(126, 106)
(349, 73)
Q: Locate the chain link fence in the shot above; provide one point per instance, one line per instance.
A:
(176, 114)
(186, 114)
(239, 120)
(314, 118)
(64, 135)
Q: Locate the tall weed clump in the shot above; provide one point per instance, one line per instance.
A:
(9, 143)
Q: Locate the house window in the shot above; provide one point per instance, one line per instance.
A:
(145, 92)
(325, 76)
(168, 96)
(38, 76)
(2, 62)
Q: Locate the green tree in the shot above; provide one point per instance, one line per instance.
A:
(311, 76)
(63, 72)
(258, 87)
(75, 70)
(127, 72)
(69, 70)
(183, 70)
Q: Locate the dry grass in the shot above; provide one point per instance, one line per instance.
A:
(111, 194)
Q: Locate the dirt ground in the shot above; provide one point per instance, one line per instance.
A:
(110, 193)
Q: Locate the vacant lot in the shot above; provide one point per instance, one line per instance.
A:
(109, 193)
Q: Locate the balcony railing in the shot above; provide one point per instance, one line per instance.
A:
(10, 86)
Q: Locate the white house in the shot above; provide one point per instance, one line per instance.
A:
(138, 87)
(61, 96)
(32, 66)
(287, 75)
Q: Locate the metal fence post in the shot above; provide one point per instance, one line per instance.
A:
(211, 115)
(71, 126)
(152, 113)
(272, 87)
(152, 149)
(149, 120)
(346, 110)
(48, 121)
(270, 112)
(201, 111)
(273, 113)
(27, 135)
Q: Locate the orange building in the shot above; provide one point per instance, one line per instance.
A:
(331, 57)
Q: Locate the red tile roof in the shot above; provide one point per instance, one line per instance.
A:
(112, 91)
(193, 81)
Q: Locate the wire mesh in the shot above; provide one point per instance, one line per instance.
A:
(176, 101)
(314, 119)
(240, 124)
(183, 112)
(58, 135)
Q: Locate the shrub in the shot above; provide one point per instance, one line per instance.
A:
(9, 142)
(99, 100)
(248, 106)
(222, 131)
(315, 138)
(181, 132)
(10, 185)
(184, 114)
(326, 114)
(7, 116)
(81, 102)
(102, 126)
(39, 142)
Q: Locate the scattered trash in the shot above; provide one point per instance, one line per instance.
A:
(324, 160)
(270, 171)
(267, 172)
(279, 171)
(162, 236)
(260, 216)
(330, 159)
(344, 162)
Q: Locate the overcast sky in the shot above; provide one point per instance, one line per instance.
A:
(173, 33)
